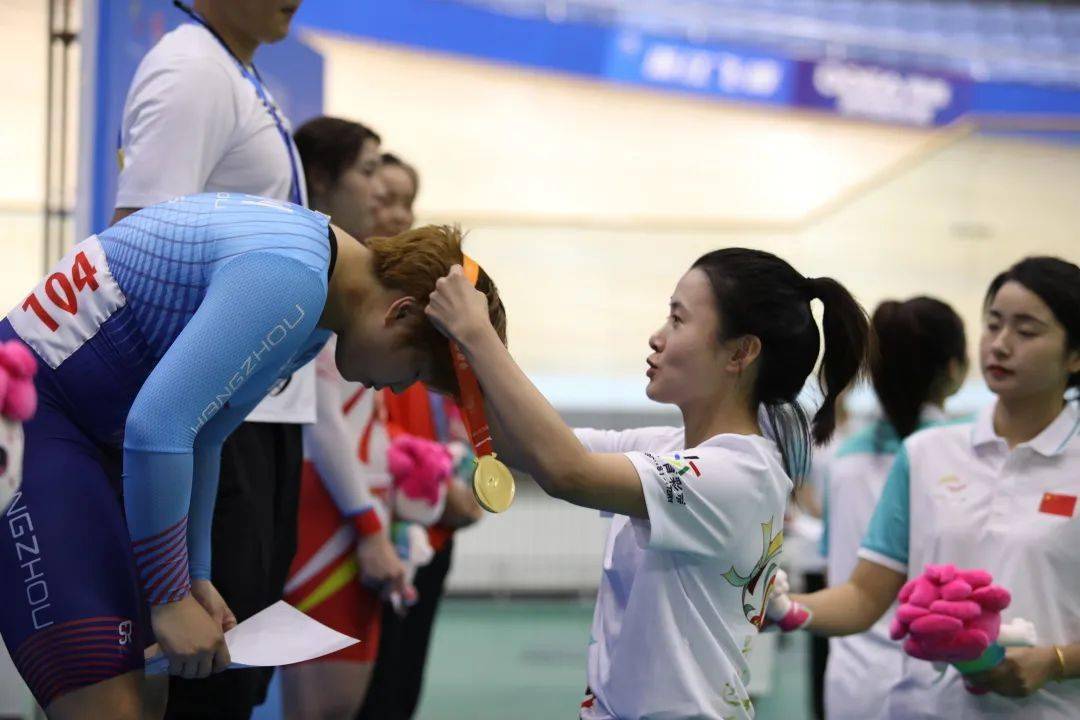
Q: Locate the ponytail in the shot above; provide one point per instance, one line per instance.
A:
(913, 344)
(847, 337)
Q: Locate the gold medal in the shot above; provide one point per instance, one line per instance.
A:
(493, 484)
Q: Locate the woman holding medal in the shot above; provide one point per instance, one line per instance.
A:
(698, 509)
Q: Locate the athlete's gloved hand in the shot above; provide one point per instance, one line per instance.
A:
(781, 610)
(191, 639)
(382, 569)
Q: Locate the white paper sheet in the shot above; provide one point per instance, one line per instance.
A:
(278, 635)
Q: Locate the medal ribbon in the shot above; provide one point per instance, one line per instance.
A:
(471, 397)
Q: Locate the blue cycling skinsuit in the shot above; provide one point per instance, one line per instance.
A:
(154, 340)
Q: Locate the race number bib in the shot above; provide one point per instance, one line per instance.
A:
(68, 307)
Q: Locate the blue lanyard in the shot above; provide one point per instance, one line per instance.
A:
(253, 77)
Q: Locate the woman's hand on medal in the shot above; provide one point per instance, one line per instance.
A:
(459, 310)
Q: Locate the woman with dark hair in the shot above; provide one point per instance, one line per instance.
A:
(402, 183)
(341, 165)
(918, 359)
(698, 509)
(1000, 494)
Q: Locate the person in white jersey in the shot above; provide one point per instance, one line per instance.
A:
(199, 118)
(1000, 494)
(698, 509)
(918, 359)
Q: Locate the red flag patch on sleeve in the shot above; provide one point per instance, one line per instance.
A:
(1054, 504)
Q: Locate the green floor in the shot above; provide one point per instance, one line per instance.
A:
(526, 660)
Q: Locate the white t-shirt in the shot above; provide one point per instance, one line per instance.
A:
(193, 123)
(682, 593)
(957, 494)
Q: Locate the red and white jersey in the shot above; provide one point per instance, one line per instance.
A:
(349, 440)
(345, 472)
(346, 493)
